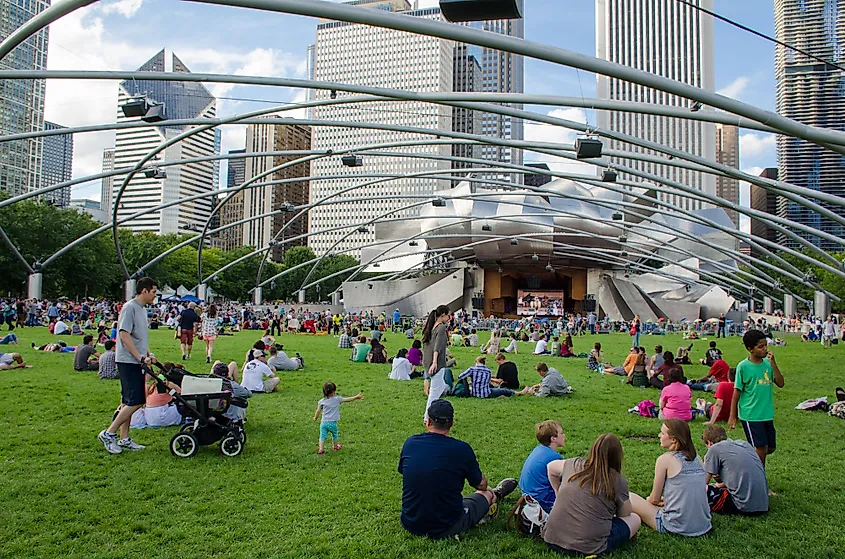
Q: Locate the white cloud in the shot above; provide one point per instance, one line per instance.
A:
(735, 88)
(753, 146)
(545, 133)
(127, 8)
(80, 40)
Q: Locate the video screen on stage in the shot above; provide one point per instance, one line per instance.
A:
(532, 302)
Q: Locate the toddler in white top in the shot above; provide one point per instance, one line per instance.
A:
(329, 406)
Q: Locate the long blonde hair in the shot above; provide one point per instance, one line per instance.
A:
(602, 467)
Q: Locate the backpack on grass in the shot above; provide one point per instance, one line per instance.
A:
(461, 389)
(837, 409)
(528, 516)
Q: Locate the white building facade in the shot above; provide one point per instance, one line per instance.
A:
(363, 55)
(183, 100)
(672, 40)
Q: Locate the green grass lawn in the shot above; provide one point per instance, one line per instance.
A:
(64, 495)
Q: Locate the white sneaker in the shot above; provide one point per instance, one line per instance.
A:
(109, 441)
(129, 444)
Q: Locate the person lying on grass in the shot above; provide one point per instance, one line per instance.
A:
(12, 361)
(627, 366)
(678, 500)
(718, 373)
(434, 467)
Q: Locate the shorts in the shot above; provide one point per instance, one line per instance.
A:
(187, 337)
(271, 383)
(720, 501)
(132, 389)
(619, 534)
(475, 508)
(89, 367)
(760, 434)
(327, 427)
(209, 338)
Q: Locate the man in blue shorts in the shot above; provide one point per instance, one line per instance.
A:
(132, 350)
(434, 467)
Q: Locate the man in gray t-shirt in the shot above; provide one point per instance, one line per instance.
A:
(132, 350)
(743, 487)
(553, 383)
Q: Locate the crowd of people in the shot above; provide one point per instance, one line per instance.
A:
(587, 506)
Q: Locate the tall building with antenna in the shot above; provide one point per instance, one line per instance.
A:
(673, 40)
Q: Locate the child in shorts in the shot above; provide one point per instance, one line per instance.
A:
(329, 406)
(753, 399)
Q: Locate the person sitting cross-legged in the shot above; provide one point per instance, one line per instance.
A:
(553, 383)
(434, 468)
(742, 487)
(593, 512)
(534, 479)
(85, 357)
(482, 377)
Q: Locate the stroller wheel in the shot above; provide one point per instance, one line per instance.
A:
(231, 445)
(184, 445)
(187, 428)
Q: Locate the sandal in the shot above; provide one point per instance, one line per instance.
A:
(321, 452)
(337, 447)
(840, 394)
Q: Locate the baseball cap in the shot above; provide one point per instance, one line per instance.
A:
(257, 353)
(441, 410)
(220, 370)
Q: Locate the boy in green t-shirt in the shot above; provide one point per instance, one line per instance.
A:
(753, 400)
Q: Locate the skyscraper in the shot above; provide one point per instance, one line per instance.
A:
(275, 136)
(22, 101)
(502, 72)
(727, 153)
(812, 93)
(234, 209)
(467, 76)
(764, 201)
(182, 100)
(673, 40)
(107, 183)
(364, 55)
(57, 165)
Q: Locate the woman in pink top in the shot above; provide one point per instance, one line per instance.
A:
(159, 411)
(675, 398)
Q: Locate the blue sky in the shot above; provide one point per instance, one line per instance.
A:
(124, 34)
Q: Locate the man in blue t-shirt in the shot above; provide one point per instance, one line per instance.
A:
(397, 321)
(534, 480)
(434, 467)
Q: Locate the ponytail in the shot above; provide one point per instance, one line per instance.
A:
(429, 323)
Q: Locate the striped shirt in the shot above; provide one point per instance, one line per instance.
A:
(481, 376)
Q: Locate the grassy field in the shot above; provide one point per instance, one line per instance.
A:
(63, 495)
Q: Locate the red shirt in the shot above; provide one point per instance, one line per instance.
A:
(725, 393)
(719, 370)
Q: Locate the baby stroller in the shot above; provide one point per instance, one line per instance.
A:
(203, 402)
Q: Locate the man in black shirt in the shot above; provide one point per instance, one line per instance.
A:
(507, 372)
(721, 329)
(188, 320)
(434, 467)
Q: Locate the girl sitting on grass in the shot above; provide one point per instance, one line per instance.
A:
(329, 406)
(678, 501)
(596, 359)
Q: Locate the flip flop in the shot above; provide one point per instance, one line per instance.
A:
(840, 394)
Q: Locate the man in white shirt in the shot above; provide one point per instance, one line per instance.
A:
(540, 348)
(257, 375)
(829, 332)
(61, 328)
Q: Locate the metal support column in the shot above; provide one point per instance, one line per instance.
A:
(789, 306)
(768, 305)
(129, 289)
(258, 295)
(34, 285)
